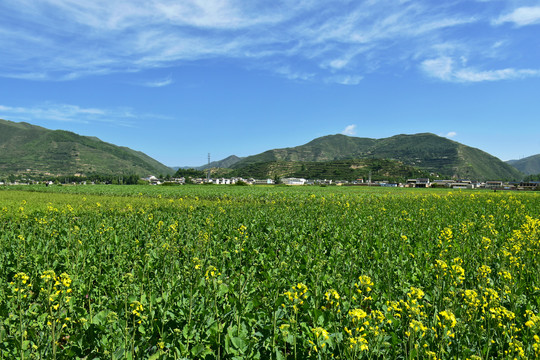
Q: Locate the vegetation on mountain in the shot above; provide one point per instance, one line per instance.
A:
(529, 165)
(534, 177)
(39, 152)
(427, 152)
(185, 173)
(350, 170)
(225, 163)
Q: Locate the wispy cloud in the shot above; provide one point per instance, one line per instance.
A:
(521, 16)
(159, 82)
(350, 130)
(73, 113)
(345, 79)
(447, 69)
(330, 41)
(289, 73)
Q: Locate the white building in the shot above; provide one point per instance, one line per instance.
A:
(293, 181)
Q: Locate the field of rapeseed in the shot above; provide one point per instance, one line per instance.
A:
(268, 273)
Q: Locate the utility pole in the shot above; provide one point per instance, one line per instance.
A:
(208, 170)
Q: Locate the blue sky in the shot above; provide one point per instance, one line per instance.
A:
(178, 79)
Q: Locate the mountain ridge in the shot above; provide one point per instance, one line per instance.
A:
(32, 149)
(425, 151)
(223, 163)
(529, 165)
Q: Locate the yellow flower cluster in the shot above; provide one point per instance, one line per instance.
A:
(417, 327)
(359, 342)
(137, 312)
(364, 286)
(457, 272)
(332, 299)
(296, 295)
(320, 332)
(534, 320)
(58, 286)
(449, 317)
(483, 272)
(211, 272)
(441, 268)
(20, 284)
(447, 321)
(137, 308)
(471, 302)
(536, 345)
(357, 314)
(413, 306)
(445, 237)
(196, 263)
(57, 290)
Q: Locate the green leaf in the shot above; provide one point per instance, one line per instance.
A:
(156, 355)
(223, 289)
(200, 351)
(239, 344)
(100, 317)
(118, 354)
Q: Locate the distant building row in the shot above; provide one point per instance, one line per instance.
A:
(468, 184)
(411, 183)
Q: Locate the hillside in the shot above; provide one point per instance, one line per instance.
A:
(225, 163)
(529, 165)
(427, 152)
(34, 150)
(380, 169)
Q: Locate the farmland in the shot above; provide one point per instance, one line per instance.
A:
(136, 272)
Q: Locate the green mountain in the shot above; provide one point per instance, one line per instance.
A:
(225, 163)
(33, 150)
(379, 169)
(427, 152)
(529, 165)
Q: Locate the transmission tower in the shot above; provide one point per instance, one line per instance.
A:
(208, 170)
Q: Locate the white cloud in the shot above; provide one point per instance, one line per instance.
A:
(451, 134)
(73, 113)
(345, 79)
(159, 83)
(440, 68)
(444, 68)
(473, 75)
(521, 16)
(312, 40)
(350, 130)
(291, 74)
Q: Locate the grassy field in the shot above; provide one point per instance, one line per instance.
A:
(212, 272)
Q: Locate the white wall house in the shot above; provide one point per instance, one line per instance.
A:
(293, 181)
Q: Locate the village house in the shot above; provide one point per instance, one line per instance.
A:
(222, 181)
(493, 185)
(418, 183)
(263, 182)
(293, 181)
(153, 180)
(529, 185)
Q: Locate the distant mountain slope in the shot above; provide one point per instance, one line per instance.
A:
(26, 148)
(529, 165)
(379, 169)
(427, 152)
(224, 163)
